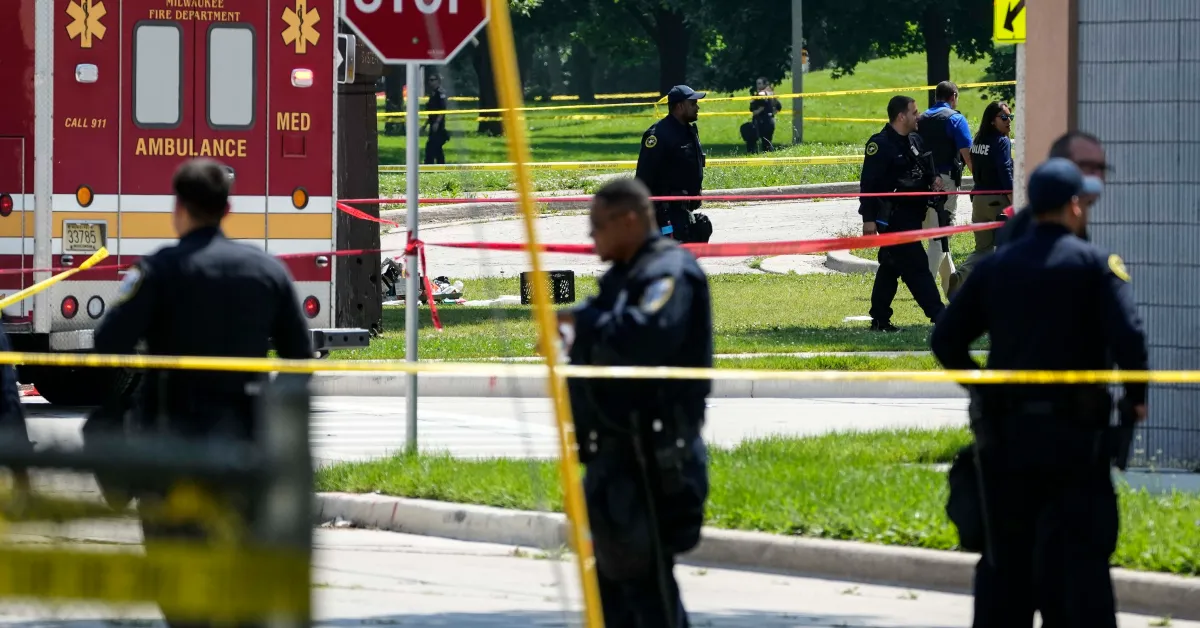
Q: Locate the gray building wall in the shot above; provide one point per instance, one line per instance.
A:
(1139, 91)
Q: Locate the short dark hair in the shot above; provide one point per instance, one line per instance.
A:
(945, 91)
(626, 194)
(202, 187)
(898, 105)
(1062, 146)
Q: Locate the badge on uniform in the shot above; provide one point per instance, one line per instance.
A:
(872, 148)
(657, 295)
(651, 141)
(129, 284)
(1118, 267)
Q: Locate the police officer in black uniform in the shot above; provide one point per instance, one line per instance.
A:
(897, 162)
(1085, 151)
(13, 429)
(671, 163)
(1049, 301)
(205, 296)
(647, 470)
(438, 135)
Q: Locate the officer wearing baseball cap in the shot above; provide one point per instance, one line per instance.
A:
(1049, 301)
(671, 163)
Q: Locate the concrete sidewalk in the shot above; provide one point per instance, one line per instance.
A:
(1140, 592)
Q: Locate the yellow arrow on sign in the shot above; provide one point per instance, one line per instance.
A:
(1008, 21)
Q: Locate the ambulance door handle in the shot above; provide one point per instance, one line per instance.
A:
(68, 260)
(322, 261)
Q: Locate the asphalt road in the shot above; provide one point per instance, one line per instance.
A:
(769, 222)
(350, 428)
(364, 578)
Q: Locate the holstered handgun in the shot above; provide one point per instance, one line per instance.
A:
(1123, 433)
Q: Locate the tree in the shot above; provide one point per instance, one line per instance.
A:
(859, 30)
(1001, 67)
(750, 39)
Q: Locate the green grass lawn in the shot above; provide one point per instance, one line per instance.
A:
(848, 486)
(751, 314)
(618, 138)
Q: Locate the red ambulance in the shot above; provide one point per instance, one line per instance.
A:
(103, 99)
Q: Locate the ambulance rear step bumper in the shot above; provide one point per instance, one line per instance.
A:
(330, 339)
(323, 340)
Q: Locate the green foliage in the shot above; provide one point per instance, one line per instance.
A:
(1002, 67)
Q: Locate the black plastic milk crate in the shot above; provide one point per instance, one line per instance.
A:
(562, 286)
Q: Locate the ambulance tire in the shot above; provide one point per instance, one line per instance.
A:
(85, 387)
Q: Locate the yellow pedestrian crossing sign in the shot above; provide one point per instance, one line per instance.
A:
(1008, 21)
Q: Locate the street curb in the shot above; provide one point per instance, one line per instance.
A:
(844, 262)
(387, 384)
(1137, 592)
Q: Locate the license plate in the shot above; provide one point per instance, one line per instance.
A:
(81, 236)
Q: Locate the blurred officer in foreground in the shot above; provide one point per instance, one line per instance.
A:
(671, 163)
(991, 153)
(438, 135)
(205, 296)
(1085, 151)
(947, 134)
(896, 161)
(13, 429)
(1049, 301)
(647, 466)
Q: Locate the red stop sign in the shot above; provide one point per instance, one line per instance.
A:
(415, 31)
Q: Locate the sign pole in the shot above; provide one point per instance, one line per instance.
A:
(797, 72)
(412, 290)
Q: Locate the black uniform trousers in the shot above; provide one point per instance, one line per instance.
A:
(765, 136)
(907, 263)
(434, 154)
(1053, 524)
(638, 527)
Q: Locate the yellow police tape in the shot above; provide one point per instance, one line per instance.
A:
(618, 164)
(710, 99)
(849, 92)
(42, 285)
(189, 582)
(495, 369)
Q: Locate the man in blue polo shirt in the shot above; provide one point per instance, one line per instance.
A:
(948, 136)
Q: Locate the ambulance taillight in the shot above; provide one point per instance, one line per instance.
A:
(6, 205)
(312, 307)
(70, 307)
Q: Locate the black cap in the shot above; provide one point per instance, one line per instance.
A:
(1055, 182)
(680, 93)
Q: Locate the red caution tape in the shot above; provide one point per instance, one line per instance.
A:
(746, 249)
(417, 247)
(717, 198)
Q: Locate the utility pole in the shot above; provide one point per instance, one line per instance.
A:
(797, 73)
(1019, 144)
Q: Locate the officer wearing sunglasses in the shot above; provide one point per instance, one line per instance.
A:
(992, 166)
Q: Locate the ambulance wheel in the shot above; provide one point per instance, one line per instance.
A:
(83, 386)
